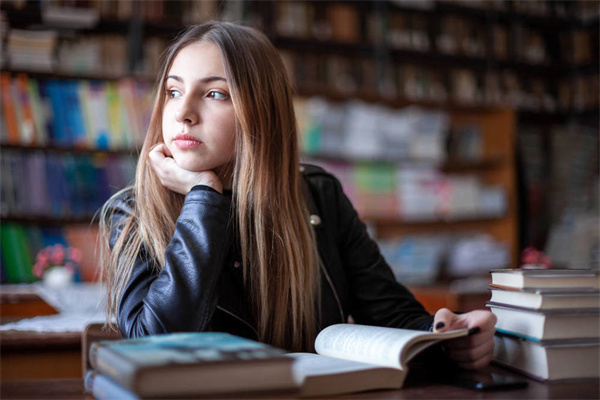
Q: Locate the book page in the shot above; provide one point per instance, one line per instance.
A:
(375, 345)
(309, 364)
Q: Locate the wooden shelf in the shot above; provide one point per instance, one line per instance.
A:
(392, 102)
(50, 221)
(324, 46)
(71, 76)
(446, 166)
(408, 224)
(71, 150)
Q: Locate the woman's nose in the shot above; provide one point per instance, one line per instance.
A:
(187, 112)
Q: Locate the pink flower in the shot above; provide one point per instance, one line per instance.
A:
(58, 255)
(75, 255)
(54, 256)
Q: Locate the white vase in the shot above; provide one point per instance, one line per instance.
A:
(58, 277)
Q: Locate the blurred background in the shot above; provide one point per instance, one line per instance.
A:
(463, 131)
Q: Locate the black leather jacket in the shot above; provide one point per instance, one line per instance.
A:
(200, 288)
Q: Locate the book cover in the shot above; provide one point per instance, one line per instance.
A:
(549, 360)
(545, 299)
(546, 278)
(183, 364)
(547, 324)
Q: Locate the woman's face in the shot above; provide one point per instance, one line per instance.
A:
(198, 121)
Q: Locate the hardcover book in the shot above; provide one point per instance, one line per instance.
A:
(549, 360)
(191, 364)
(547, 325)
(546, 299)
(546, 278)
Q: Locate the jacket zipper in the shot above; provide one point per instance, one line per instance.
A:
(239, 318)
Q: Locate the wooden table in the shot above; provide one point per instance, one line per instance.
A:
(35, 355)
(47, 365)
(416, 387)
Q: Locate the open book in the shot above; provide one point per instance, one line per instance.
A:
(354, 358)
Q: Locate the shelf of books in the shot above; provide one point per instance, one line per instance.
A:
(428, 182)
(418, 108)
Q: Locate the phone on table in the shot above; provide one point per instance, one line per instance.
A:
(479, 380)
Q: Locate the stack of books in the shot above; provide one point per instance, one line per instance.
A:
(548, 322)
(350, 358)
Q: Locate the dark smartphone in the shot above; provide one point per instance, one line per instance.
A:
(484, 381)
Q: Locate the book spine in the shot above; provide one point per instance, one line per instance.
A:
(9, 257)
(39, 113)
(8, 109)
(102, 388)
(28, 126)
(112, 365)
(75, 116)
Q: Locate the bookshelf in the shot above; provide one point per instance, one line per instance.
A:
(501, 65)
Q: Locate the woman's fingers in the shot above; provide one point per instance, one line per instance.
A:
(473, 351)
(175, 178)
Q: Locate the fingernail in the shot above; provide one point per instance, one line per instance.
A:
(439, 326)
(473, 331)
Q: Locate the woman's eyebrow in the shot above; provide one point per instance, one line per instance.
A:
(207, 79)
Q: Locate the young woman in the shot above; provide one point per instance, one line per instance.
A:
(224, 230)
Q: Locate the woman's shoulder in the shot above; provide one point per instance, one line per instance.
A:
(122, 202)
(315, 174)
(322, 184)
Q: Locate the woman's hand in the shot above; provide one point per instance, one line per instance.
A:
(177, 179)
(473, 351)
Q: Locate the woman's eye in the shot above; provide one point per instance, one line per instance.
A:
(173, 93)
(213, 94)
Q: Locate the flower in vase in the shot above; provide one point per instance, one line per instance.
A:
(56, 256)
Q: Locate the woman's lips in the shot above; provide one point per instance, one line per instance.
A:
(184, 141)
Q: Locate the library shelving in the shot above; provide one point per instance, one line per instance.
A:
(498, 65)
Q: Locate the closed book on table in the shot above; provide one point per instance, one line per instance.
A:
(548, 324)
(546, 278)
(546, 299)
(549, 360)
(192, 364)
(104, 389)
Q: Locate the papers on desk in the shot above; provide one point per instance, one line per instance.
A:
(78, 305)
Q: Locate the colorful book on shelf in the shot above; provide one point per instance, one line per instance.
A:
(118, 136)
(547, 324)
(545, 299)
(549, 360)
(16, 253)
(8, 109)
(99, 112)
(38, 109)
(56, 94)
(28, 130)
(74, 115)
(546, 278)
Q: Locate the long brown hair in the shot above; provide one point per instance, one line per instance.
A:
(278, 246)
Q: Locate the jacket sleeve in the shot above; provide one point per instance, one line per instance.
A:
(182, 296)
(377, 298)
